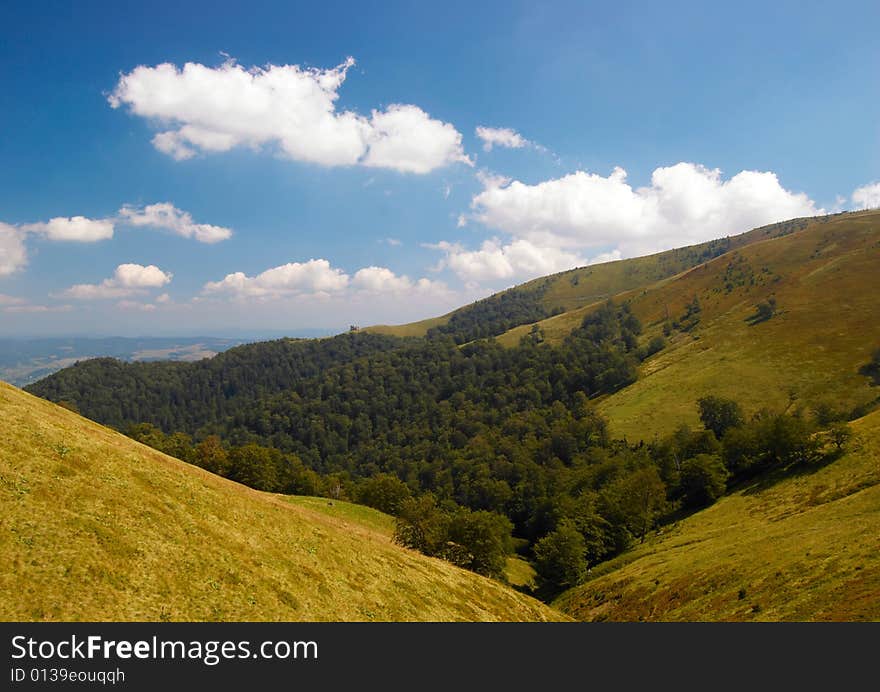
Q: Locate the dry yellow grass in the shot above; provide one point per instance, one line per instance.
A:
(94, 526)
(412, 329)
(804, 548)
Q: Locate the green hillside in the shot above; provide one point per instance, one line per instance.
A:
(98, 527)
(569, 436)
(805, 547)
(824, 280)
(576, 288)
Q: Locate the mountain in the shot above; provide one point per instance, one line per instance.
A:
(99, 527)
(575, 288)
(825, 326)
(579, 411)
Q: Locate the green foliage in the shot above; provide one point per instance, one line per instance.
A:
(702, 480)
(484, 541)
(384, 492)
(769, 441)
(421, 525)
(561, 556)
(496, 314)
(719, 414)
(211, 455)
(633, 503)
(655, 345)
(479, 541)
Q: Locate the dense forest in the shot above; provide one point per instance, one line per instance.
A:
(476, 449)
(497, 314)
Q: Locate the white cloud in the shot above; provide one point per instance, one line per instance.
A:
(393, 242)
(383, 280)
(406, 139)
(501, 137)
(314, 276)
(867, 196)
(13, 255)
(685, 203)
(318, 278)
(213, 109)
(127, 280)
(494, 260)
(165, 215)
(163, 299)
(11, 300)
(76, 229)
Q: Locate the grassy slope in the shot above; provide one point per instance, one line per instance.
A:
(828, 297)
(804, 548)
(412, 329)
(94, 526)
(827, 326)
(583, 286)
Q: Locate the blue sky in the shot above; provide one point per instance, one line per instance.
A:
(270, 188)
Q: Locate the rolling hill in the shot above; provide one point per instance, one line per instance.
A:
(824, 279)
(805, 547)
(96, 526)
(544, 421)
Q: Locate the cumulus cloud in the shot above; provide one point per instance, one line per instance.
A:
(166, 216)
(13, 255)
(318, 278)
(213, 109)
(867, 196)
(77, 229)
(501, 137)
(314, 276)
(383, 280)
(685, 203)
(406, 139)
(127, 280)
(494, 260)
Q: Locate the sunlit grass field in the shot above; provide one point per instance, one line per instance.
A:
(95, 526)
(797, 547)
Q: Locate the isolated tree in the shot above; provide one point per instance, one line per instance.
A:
(840, 434)
(702, 480)
(560, 556)
(719, 414)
